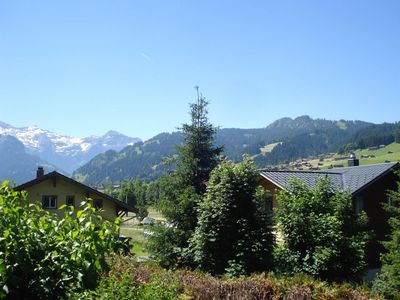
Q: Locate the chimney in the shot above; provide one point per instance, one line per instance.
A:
(39, 172)
(353, 161)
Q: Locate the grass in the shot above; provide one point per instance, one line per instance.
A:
(139, 240)
(381, 155)
(155, 214)
(136, 231)
(268, 148)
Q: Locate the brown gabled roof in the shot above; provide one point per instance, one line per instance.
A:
(55, 174)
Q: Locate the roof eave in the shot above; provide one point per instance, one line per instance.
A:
(394, 167)
(272, 181)
(72, 181)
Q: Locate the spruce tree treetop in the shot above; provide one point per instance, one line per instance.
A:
(197, 157)
(181, 191)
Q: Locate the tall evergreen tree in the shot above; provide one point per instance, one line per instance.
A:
(197, 157)
(181, 190)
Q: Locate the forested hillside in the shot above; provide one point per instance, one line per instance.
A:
(143, 160)
(299, 137)
(373, 135)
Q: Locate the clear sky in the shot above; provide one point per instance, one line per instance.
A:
(84, 67)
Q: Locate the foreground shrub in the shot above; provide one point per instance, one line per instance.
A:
(388, 281)
(130, 280)
(45, 257)
(321, 235)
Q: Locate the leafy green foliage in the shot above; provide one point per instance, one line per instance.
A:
(128, 280)
(234, 233)
(134, 193)
(388, 281)
(44, 257)
(177, 202)
(167, 245)
(321, 235)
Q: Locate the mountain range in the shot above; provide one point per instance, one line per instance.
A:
(15, 164)
(62, 152)
(282, 141)
(114, 157)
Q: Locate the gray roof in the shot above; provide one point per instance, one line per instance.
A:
(352, 179)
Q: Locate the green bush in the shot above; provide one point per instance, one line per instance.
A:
(45, 257)
(129, 280)
(387, 282)
(321, 235)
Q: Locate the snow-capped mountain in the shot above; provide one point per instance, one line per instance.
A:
(67, 153)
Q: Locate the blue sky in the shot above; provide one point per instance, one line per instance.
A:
(85, 67)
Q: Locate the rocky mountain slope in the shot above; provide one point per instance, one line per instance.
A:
(17, 165)
(65, 152)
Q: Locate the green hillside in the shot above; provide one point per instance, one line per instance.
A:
(284, 140)
(389, 153)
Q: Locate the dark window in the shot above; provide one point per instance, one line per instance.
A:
(358, 205)
(389, 201)
(70, 200)
(98, 203)
(49, 202)
(270, 202)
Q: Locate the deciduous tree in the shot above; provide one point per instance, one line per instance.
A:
(134, 193)
(321, 234)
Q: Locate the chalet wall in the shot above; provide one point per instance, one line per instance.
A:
(272, 188)
(62, 189)
(373, 198)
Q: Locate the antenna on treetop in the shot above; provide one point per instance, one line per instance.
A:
(198, 95)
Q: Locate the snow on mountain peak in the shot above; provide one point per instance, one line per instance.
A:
(64, 151)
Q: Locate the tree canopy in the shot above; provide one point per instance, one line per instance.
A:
(321, 234)
(234, 232)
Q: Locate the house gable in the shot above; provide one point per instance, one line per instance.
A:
(55, 187)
